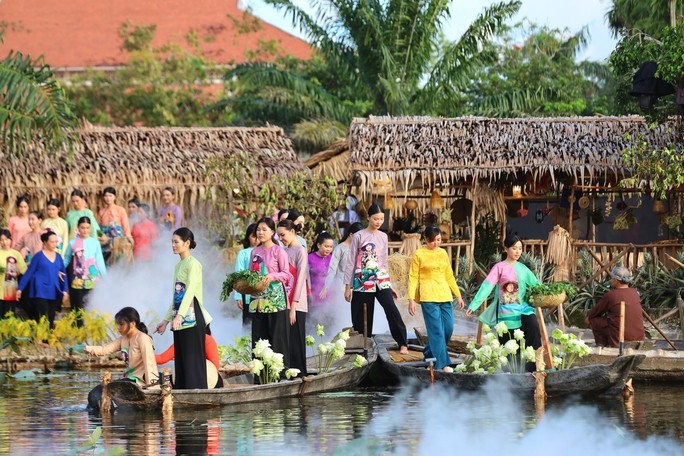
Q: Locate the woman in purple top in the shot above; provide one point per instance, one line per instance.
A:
(45, 279)
(269, 308)
(299, 268)
(367, 276)
(319, 263)
(170, 215)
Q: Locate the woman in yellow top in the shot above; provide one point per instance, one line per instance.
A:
(432, 283)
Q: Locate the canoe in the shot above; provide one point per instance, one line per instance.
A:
(129, 395)
(593, 380)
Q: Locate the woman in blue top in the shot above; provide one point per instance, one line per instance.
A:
(242, 263)
(45, 279)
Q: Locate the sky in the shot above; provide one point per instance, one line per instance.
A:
(570, 14)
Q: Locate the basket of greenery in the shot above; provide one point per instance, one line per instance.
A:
(245, 282)
(551, 295)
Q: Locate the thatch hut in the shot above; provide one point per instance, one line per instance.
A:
(140, 162)
(332, 162)
(422, 158)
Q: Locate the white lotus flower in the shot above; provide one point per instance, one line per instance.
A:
(260, 346)
(518, 334)
(291, 373)
(344, 335)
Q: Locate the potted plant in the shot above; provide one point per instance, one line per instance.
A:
(551, 295)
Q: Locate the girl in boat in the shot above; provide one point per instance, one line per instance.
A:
(14, 265)
(338, 261)
(242, 264)
(86, 265)
(298, 259)
(270, 317)
(80, 209)
(509, 279)
(57, 224)
(18, 224)
(45, 280)
(366, 279)
(136, 346)
(319, 264)
(188, 315)
(432, 284)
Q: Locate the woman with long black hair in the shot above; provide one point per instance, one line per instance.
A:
(187, 315)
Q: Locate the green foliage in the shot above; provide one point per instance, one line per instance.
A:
(658, 285)
(238, 353)
(370, 58)
(662, 169)
(539, 76)
(251, 277)
(633, 16)
(551, 289)
(91, 444)
(487, 240)
(33, 105)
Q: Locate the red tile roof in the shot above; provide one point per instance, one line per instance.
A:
(78, 33)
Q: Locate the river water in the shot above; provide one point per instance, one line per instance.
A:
(47, 416)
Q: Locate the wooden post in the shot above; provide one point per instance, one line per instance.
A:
(471, 252)
(478, 339)
(561, 317)
(622, 329)
(548, 357)
(680, 304)
(650, 320)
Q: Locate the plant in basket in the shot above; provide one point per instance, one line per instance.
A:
(245, 282)
(550, 295)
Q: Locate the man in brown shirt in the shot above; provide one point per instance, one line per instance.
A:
(604, 318)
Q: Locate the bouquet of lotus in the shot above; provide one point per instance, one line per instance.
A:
(245, 282)
(550, 295)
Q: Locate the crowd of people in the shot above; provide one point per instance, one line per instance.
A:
(49, 259)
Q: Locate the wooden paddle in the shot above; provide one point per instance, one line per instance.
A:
(621, 349)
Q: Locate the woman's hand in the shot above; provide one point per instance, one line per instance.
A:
(412, 307)
(461, 304)
(89, 349)
(65, 297)
(347, 293)
(293, 313)
(323, 293)
(18, 295)
(161, 327)
(267, 279)
(395, 295)
(177, 320)
(61, 275)
(469, 313)
(238, 303)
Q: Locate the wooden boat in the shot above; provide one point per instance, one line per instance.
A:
(129, 395)
(593, 380)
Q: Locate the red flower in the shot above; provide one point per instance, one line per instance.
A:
(516, 47)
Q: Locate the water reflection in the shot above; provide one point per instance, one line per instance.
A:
(51, 416)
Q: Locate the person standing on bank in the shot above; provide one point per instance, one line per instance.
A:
(242, 263)
(44, 280)
(299, 307)
(57, 224)
(432, 283)
(604, 318)
(80, 209)
(87, 266)
(170, 214)
(269, 308)
(366, 279)
(187, 315)
(113, 220)
(18, 225)
(510, 279)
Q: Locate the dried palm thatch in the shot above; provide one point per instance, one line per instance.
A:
(332, 162)
(449, 151)
(140, 162)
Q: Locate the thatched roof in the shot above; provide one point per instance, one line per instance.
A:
(332, 162)
(473, 148)
(141, 162)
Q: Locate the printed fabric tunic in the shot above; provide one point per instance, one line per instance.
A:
(367, 269)
(170, 217)
(138, 355)
(88, 263)
(114, 222)
(431, 278)
(509, 282)
(187, 280)
(274, 262)
(61, 229)
(14, 265)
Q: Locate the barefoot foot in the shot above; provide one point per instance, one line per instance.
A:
(403, 350)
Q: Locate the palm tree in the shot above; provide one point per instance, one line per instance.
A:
(645, 16)
(379, 57)
(32, 104)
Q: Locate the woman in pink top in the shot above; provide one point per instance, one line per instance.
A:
(113, 220)
(31, 244)
(144, 234)
(18, 224)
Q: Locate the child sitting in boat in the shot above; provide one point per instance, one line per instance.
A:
(212, 353)
(136, 346)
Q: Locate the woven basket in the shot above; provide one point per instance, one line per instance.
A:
(241, 286)
(549, 301)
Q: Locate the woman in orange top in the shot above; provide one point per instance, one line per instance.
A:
(210, 348)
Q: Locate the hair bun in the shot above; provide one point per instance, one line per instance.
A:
(193, 244)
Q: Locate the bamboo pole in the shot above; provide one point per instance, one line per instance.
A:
(544, 337)
(680, 304)
(621, 350)
(605, 267)
(471, 252)
(650, 320)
